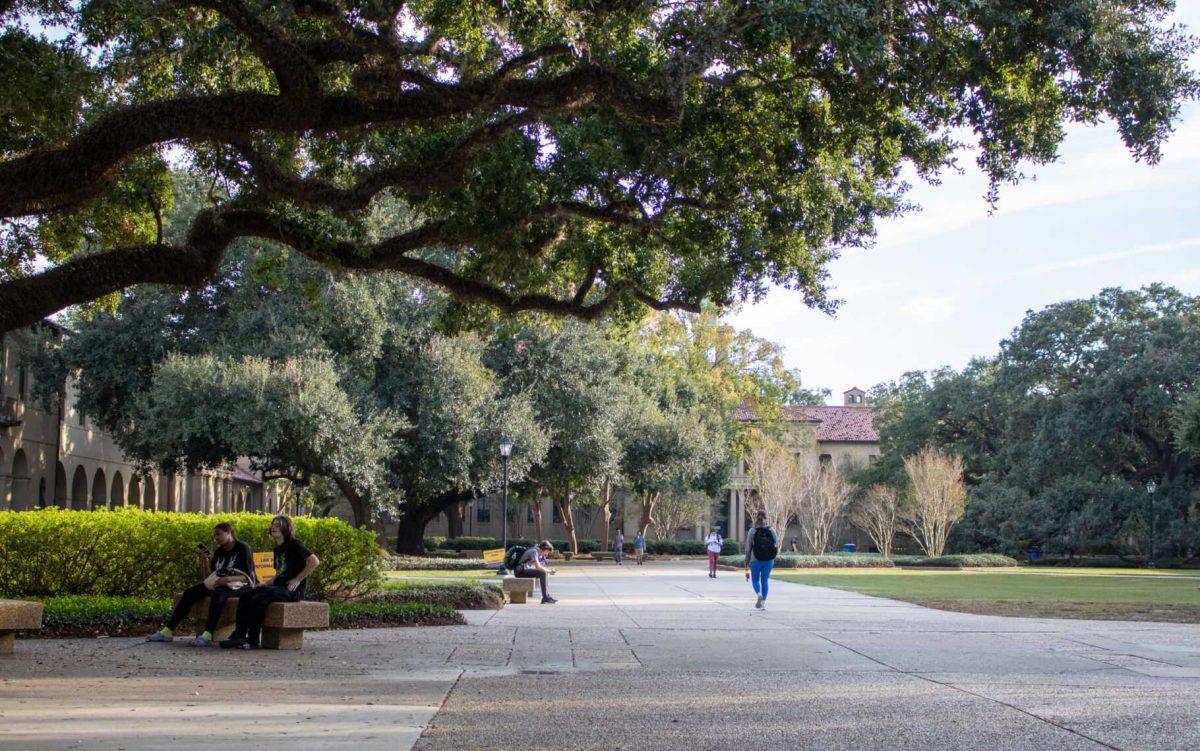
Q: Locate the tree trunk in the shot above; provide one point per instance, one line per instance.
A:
(537, 519)
(454, 520)
(606, 508)
(358, 504)
(410, 535)
(568, 518)
(649, 499)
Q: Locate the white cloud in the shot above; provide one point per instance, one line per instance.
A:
(928, 307)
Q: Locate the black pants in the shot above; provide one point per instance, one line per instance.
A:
(252, 610)
(195, 594)
(525, 572)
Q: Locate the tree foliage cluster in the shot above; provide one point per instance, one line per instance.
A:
(359, 387)
(1059, 433)
(568, 156)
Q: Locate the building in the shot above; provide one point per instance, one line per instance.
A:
(56, 457)
(841, 434)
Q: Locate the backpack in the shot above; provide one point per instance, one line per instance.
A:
(764, 546)
(512, 558)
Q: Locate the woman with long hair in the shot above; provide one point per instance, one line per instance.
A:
(228, 570)
(293, 565)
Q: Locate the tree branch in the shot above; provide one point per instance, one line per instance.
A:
(54, 179)
(294, 72)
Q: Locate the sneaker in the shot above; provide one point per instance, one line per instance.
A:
(548, 600)
(235, 642)
(759, 604)
(160, 636)
(248, 645)
(200, 641)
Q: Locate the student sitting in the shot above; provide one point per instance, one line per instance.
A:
(293, 564)
(533, 566)
(230, 569)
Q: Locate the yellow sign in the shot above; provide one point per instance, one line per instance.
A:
(264, 566)
(493, 556)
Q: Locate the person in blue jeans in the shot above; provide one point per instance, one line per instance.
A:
(762, 545)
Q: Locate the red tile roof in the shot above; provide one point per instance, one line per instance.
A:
(841, 424)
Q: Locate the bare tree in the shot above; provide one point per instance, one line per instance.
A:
(938, 497)
(827, 494)
(779, 482)
(676, 511)
(879, 514)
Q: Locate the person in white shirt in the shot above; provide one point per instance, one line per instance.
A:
(713, 544)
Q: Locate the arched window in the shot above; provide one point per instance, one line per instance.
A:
(20, 496)
(79, 498)
(99, 490)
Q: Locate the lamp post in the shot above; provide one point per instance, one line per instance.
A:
(505, 449)
(1151, 486)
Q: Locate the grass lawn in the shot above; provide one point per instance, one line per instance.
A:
(1108, 594)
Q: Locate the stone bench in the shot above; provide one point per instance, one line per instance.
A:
(17, 615)
(518, 589)
(283, 627)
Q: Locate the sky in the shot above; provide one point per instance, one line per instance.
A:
(950, 282)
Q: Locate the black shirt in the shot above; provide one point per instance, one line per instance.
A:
(289, 562)
(238, 559)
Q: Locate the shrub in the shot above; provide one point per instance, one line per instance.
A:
(459, 595)
(973, 560)
(381, 614)
(129, 552)
(793, 560)
(416, 563)
(91, 615)
(491, 543)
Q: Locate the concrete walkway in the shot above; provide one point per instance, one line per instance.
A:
(654, 657)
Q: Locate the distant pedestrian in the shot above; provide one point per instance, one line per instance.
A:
(762, 545)
(795, 544)
(639, 547)
(532, 565)
(619, 546)
(713, 544)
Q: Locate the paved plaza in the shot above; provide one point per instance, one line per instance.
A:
(655, 657)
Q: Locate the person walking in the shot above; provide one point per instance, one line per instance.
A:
(293, 565)
(619, 546)
(532, 566)
(713, 544)
(639, 548)
(225, 572)
(762, 545)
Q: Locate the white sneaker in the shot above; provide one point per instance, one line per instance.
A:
(759, 604)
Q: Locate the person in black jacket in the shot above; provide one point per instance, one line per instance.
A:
(293, 564)
(227, 571)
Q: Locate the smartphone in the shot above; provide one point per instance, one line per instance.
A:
(201, 548)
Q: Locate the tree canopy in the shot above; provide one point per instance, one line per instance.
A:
(571, 156)
(1086, 402)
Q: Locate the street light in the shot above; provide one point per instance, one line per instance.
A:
(1151, 486)
(505, 449)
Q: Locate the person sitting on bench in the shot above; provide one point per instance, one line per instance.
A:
(230, 569)
(293, 564)
(531, 567)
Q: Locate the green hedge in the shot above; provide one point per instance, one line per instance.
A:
(972, 560)
(93, 615)
(793, 560)
(129, 552)
(454, 594)
(653, 547)
(96, 615)
(417, 563)
(874, 560)
(382, 614)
